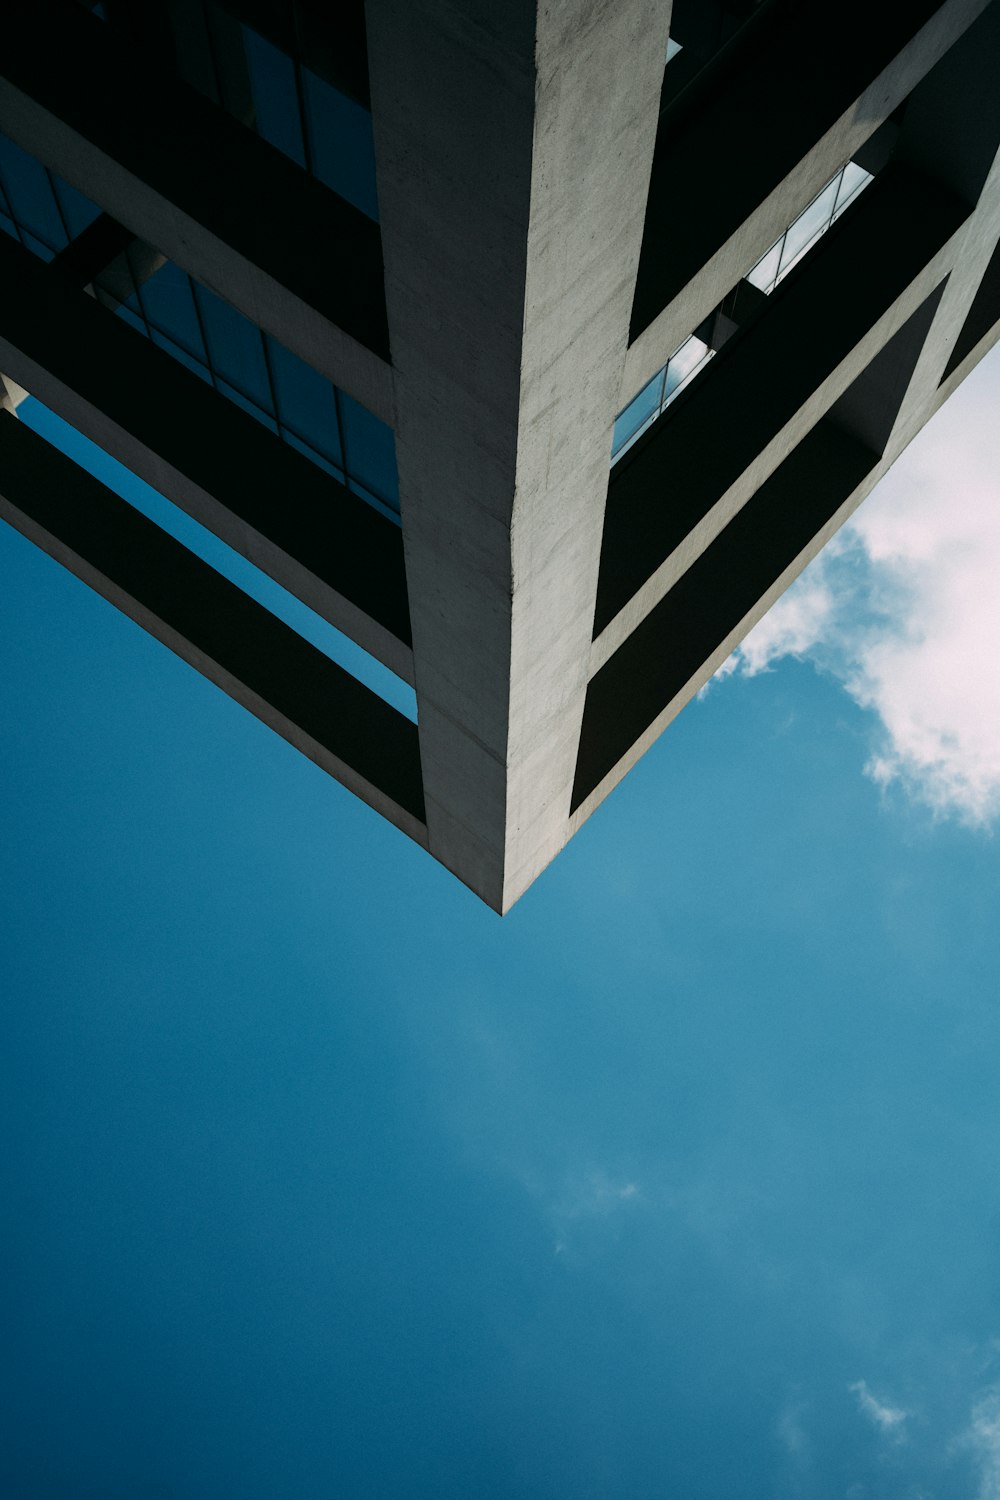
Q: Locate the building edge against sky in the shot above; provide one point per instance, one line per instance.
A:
(368, 294)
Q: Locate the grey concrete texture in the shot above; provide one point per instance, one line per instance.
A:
(780, 183)
(509, 276)
(549, 235)
(299, 525)
(882, 392)
(177, 172)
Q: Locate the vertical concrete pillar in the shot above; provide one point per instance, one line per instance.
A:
(513, 147)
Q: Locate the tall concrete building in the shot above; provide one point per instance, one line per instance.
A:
(537, 346)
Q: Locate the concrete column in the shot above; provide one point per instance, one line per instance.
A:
(513, 146)
(951, 129)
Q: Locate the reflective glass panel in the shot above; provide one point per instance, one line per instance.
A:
(235, 347)
(683, 364)
(310, 453)
(168, 304)
(341, 143)
(215, 342)
(369, 450)
(305, 402)
(765, 272)
(181, 355)
(38, 247)
(77, 211)
(853, 179)
(238, 399)
(810, 223)
(639, 413)
(29, 193)
(132, 318)
(275, 95)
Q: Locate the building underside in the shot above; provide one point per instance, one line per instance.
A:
(537, 349)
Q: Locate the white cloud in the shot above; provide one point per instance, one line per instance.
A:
(983, 1439)
(589, 1198)
(792, 1433)
(904, 608)
(594, 1195)
(888, 1419)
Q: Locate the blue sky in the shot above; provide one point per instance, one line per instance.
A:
(683, 1180)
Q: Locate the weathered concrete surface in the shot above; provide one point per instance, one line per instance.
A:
(325, 545)
(782, 200)
(513, 155)
(888, 387)
(764, 395)
(514, 145)
(183, 176)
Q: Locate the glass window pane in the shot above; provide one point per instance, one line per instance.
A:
(638, 414)
(683, 364)
(168, 304)
(238, 399)
(310, 453)
(810, 223)
(854, 179)
(38, 247)
(369, 450)
(275, 95)
(341, 143)
(181, 355)
(235, 348)
(390, 511)
(30, 196)
(765, 271)
(77, 211)
(305, 402)
(131, 317)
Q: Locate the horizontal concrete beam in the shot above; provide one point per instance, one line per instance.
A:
(185, 177)
(592, 799)
(513, 145)
(233, 641)
(977, 335)
(685, 479)
(654, 667)
(755, 154)
(301, 526)
(952, 129)
(712, 606)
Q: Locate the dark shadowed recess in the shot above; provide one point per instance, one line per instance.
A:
(80, 353)
(752, 115)
(207, 620)
(701, 446)
(711, 599)
(984, 314)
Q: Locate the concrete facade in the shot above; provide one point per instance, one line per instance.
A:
(557, 213)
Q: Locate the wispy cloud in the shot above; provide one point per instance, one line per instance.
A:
(983, 1440)
(792, 1433)
(888, 1419)
(904, 609)
(592, 1196)
(595, 1194)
